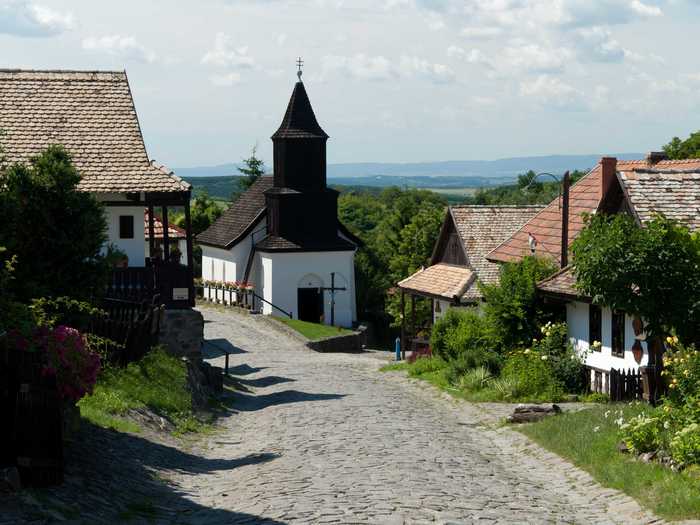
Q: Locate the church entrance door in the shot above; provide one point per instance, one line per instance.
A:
(310, 304)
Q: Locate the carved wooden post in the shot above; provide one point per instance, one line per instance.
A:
(151, 233)
(190, 255)
(166, 238)
(403, 325)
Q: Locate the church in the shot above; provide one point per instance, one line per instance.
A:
(282, 236)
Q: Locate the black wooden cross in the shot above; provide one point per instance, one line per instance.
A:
(300, 64)
(332, 288)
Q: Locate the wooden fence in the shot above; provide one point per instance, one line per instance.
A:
(625, 385)
(133, 326)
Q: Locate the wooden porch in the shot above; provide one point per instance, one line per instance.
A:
(162, 276)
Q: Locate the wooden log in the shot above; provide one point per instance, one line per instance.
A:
(532, 413)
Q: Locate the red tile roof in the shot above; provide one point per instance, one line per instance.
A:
(174, 232)
(585, 197)
(561, 283)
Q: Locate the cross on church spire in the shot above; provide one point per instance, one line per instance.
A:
(300, 64)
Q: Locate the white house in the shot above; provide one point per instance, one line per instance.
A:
(640, 188)
(282, 236)
(92, 115)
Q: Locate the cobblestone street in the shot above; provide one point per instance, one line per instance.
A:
(326, 438)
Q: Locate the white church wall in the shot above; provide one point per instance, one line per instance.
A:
(133, 247)
(282, 274)
(227, 265)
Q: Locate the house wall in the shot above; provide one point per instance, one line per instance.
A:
(132, 247)
(281, 274)
(440, 308)
(577, 322)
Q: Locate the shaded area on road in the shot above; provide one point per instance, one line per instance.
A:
(113, 476)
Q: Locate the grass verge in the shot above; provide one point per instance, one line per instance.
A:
(589, 440)
(436, 372)
(158, 382)
(313, 331)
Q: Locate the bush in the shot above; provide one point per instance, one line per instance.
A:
(685, 445)
(642, 433)
(567, 366)
(513, 308)
(464, 337)
(533, 375)
(426, 365)
(475, 380)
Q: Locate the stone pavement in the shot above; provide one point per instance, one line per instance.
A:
(326, 438)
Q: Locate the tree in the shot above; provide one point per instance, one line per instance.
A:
(203, 212)
(684, 149)
(55, 232)
(513, 307)
(254, 168)
(651, 272)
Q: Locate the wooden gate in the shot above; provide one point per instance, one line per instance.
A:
(625, 385)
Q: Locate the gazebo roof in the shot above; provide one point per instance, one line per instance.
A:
(91, 114)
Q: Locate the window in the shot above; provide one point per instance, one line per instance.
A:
(595, 327)
(126, 226)
(618, 334)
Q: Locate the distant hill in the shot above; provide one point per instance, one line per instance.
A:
(478, 169)
(220, 181)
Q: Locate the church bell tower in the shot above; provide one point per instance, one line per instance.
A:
(302, 210)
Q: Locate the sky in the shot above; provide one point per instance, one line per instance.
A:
(390, 80)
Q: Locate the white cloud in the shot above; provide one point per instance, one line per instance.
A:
(534, 58)
(359, 66)
(482, 32)
(27, 19)
(379, 67)
(122, 46)
(281, 39)
(439, 73)
(226, 80)
(473, 56)
(597, 44)
(224, 54)
(552, 91)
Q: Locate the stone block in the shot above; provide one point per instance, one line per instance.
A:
(182, 332)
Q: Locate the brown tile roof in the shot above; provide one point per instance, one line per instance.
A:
(585, 196)
(274, 243)
(561, 283)
(243, 213)
(483, 228)
(673, 193)
(90, 113)
(174, 232)
(440, 280)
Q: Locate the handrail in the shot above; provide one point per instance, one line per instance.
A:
(288, 314)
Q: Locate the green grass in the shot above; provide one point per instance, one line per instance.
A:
(436, 372)
(313, 331)
(673, 496)
(157, 382)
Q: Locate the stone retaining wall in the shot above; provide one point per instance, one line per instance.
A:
(341, 343)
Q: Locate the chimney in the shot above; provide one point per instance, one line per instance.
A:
(656, 156)
(608, 166)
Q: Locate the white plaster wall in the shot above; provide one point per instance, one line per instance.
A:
(577, 322)
(444, 306)
(228, 265)
(132, 247)
(282, 273)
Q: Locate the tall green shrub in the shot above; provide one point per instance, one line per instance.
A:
(55, 231)
(514, 309)
(464, 338)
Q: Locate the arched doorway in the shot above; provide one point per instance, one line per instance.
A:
(310, 298)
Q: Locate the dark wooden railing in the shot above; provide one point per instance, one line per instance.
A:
(172, 282)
